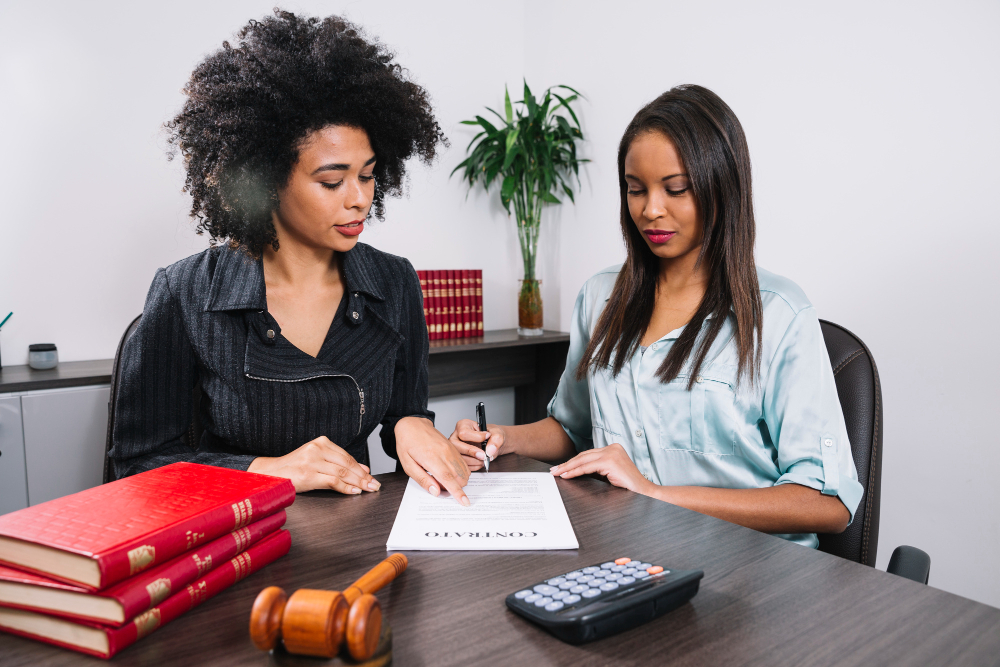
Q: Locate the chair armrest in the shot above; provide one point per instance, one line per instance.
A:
(910, 562)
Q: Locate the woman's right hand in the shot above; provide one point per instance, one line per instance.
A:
(467, 433)
(318, 464)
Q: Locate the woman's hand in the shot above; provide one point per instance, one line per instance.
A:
(429, 458)
(318, 464)
(611, 462)
(467, 436)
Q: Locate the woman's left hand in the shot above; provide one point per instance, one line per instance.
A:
(430, 458)
(611, 462)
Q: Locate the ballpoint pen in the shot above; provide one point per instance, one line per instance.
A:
(481, 416)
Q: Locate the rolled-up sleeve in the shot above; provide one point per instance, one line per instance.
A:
(571, 404)
(803, 414)
(410, 384)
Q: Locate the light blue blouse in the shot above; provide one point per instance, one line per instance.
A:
(787, 428)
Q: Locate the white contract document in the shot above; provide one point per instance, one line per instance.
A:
(508, 511)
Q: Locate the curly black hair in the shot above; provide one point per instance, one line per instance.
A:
(249, 107)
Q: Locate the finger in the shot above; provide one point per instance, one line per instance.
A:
(367, 469)
(471, 433)
(452, 474)
(355, 473)
(473, 464)
(583, 468)
(469, 451)
(419, 475)
(579, 459)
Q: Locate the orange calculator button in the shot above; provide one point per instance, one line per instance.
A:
(622, 561)
(656, 569)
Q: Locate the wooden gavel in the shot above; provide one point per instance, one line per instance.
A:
(314, 622)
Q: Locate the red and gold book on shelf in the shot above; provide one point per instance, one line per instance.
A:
(104, 642)
(479, 301)
(98, 537)
(449, 292)
(432, 283)
(422, 277)
(466, 303)
(124, 601)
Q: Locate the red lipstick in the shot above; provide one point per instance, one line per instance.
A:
(659, 236)
(351, 228)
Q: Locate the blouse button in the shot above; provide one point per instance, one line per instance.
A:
(638, 433)
(270, 333)
(354, 315)
(655, 345)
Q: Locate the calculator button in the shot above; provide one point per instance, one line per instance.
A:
(579, 588)
(624, 581)
(610, 586)
(628, 571)
(607, 566)
(533, 597)
(520, 595)
(566, 585)
(571, 599)
(585, 578)
(613, 576)
(618, 568)
(656, 569)
(556, 581)
(591, 570)
(554, 606)
(622, 561)
(560, 595)
(545, 590)
(573, 575)
(641, 574)
(591, 593)
(597, 582)
(642, 566)
(542, 602)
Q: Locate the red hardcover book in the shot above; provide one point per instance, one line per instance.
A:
(98, 537)
(452, 329)
(432, 284)
(103, 642)
(479, 302)
(466, 303)
(422, 276)
(128, 599)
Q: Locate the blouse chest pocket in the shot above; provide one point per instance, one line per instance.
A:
(702, 419)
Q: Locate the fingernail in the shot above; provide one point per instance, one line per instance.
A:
(355, 489)
(464, 501)
(434, 491)
(481, 455)
(553, 469)
(373, 485)
(493, 453)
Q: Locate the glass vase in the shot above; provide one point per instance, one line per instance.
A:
(529, 309)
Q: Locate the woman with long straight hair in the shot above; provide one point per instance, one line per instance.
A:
(694, 376)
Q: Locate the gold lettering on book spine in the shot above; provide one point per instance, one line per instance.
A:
(243, 512)
(140, 558)
(242, 538)
(197, 592)
(242, 566)
(158, 591)
(146, 623)
(192, 538)
(202, 565)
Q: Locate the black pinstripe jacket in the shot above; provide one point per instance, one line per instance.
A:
(206, 319)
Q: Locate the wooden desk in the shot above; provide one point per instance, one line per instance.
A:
(762, 601)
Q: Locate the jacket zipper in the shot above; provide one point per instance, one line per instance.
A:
(361, 392)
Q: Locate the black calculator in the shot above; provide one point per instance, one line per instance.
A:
(602, 600)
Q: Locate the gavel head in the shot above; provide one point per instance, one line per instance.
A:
(313, 622)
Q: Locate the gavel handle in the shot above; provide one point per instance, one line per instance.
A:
(376, 578)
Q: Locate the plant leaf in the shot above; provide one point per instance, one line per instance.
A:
(511, 138)
(506, 105)
(548, 197)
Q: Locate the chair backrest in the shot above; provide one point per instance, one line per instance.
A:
(193, 435)
(861, 400)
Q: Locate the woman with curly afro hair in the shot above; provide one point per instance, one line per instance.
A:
(301, 339)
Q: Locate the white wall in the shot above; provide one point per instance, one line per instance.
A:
(872, 127)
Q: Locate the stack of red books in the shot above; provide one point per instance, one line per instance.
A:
(98, 570)
(453, 303)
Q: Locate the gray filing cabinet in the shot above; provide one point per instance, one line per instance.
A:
(13, 474)
(51, 444)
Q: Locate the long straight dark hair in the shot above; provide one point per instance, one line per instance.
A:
(714, 151)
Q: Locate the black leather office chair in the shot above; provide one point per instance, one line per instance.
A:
(193, 435)
(861, 400)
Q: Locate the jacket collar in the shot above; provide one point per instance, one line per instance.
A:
(238, 279)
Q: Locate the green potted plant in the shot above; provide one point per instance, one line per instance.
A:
(531, 152)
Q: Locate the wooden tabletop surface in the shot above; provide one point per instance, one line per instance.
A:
(763, 600)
